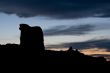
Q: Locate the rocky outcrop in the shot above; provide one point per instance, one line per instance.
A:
(31, 37)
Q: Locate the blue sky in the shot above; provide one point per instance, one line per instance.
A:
(9, 28)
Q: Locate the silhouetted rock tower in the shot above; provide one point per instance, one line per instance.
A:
(31, 37)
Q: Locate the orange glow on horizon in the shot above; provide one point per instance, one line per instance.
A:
(58, 49)
(93, 51)
(89, 51)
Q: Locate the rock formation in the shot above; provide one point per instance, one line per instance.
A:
(31, 37)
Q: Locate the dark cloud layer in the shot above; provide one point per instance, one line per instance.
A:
(56, 8)
(69, 30)
(75, 29)
(104, 43)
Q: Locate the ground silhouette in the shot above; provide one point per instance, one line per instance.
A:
(31, 51)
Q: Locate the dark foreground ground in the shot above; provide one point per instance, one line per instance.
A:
(16, 56)
(26, 60)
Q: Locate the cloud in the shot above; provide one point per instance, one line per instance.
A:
(56, 8)
(102, 43)
(69, 30)
(79, 29)
(91, 44)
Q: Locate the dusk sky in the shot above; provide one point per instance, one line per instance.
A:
(82, 24)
